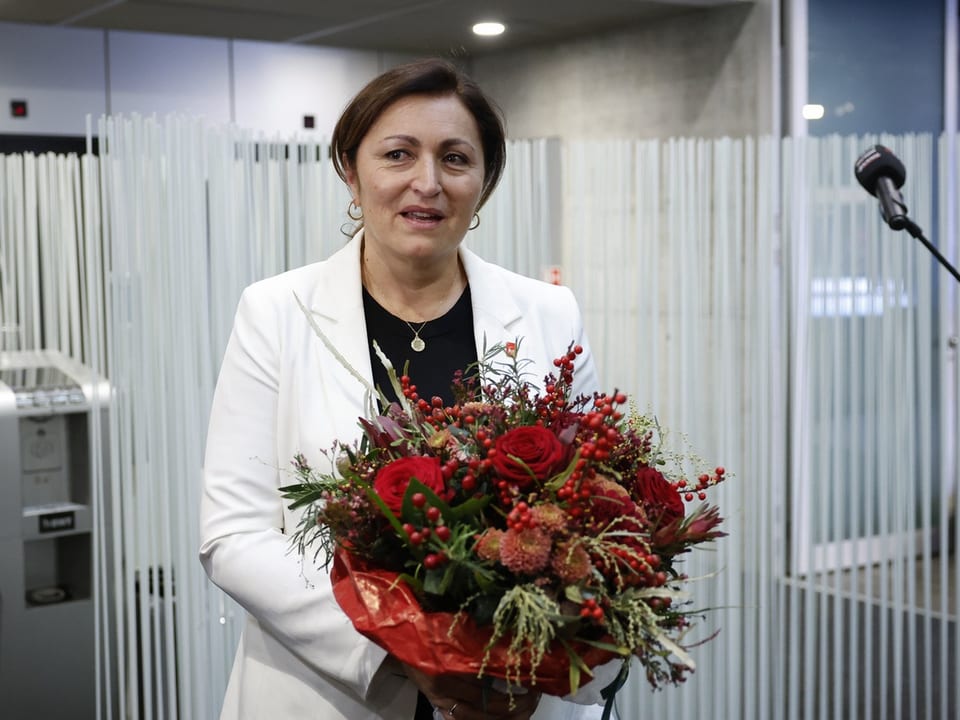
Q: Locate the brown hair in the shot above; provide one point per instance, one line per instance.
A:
(432, 76)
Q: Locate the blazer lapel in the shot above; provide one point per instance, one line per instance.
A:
(336, 306)
(507, 311)
(496, 315)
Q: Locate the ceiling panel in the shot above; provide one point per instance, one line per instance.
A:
(410, 26)
(197, 20)
(446, 30)
(42, 11)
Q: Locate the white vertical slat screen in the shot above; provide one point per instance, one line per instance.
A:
(868, 587)
(673, 250)
(743, 297)
(742, 289)
(40, 304)
(520, 224)
(194, 214)
(948, 580)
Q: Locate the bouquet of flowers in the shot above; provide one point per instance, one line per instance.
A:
(522, 535)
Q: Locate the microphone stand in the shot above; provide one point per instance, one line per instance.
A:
(911, 227)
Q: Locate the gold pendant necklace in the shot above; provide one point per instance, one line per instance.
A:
(417, 344)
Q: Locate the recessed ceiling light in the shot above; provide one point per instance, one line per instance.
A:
(489, 28)
(812, 112)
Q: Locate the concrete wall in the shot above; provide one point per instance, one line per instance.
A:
(706, 73)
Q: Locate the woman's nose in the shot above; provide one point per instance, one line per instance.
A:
(427, 178)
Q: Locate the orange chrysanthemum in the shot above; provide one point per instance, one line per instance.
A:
(571, 562)
(550, 517)
(488, 544)
(525, 551)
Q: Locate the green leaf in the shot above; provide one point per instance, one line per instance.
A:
(574, 677)
(618, 649)
(558, 480)
(302, 500)
(433, 582)
(413, 582)
(577, 666)
(449, 574)
(387, 513)
(470, 508)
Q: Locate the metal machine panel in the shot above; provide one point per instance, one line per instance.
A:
(47, 535)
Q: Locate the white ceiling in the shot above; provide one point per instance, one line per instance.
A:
(413, 26)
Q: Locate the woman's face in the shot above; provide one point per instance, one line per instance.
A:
(418, 178)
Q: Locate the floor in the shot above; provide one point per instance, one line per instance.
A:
(889, 633)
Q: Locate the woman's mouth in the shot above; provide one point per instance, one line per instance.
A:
(422, 215)
(422, 218)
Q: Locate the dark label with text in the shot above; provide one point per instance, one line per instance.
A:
(57, 522)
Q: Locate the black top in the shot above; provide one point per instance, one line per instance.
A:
(449, 346)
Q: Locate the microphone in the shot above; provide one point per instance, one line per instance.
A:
(882, 175)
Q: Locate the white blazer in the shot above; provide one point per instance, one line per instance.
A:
(282, 392)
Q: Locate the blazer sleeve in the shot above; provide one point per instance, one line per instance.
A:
(243, 547)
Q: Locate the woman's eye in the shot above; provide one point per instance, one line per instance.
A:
(457, 159)
(396, 154)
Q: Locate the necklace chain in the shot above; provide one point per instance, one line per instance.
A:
(417, 344)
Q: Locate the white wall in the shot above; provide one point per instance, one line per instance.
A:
(60, 72)
(276, 85)
(66, 73)
(162, 74)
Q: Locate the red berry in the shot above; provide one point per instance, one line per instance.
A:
(443, 533)
(419, 500)
(433, 513)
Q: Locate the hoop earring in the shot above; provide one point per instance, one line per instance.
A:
(354, 211)
(476, 222)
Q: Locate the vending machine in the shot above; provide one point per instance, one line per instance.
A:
(53, 511)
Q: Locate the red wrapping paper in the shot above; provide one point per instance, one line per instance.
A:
(385, 610)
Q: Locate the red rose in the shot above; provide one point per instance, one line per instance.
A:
(392, 480)
(538, 449)
(608, 500)
(659, 498)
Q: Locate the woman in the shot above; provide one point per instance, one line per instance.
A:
(421, 149)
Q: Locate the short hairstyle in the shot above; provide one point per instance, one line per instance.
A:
(432, 76)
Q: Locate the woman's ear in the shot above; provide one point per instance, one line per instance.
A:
(350, 175)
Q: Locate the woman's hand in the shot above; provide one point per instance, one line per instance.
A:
(463, 697)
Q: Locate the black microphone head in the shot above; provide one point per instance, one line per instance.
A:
(878, 162)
